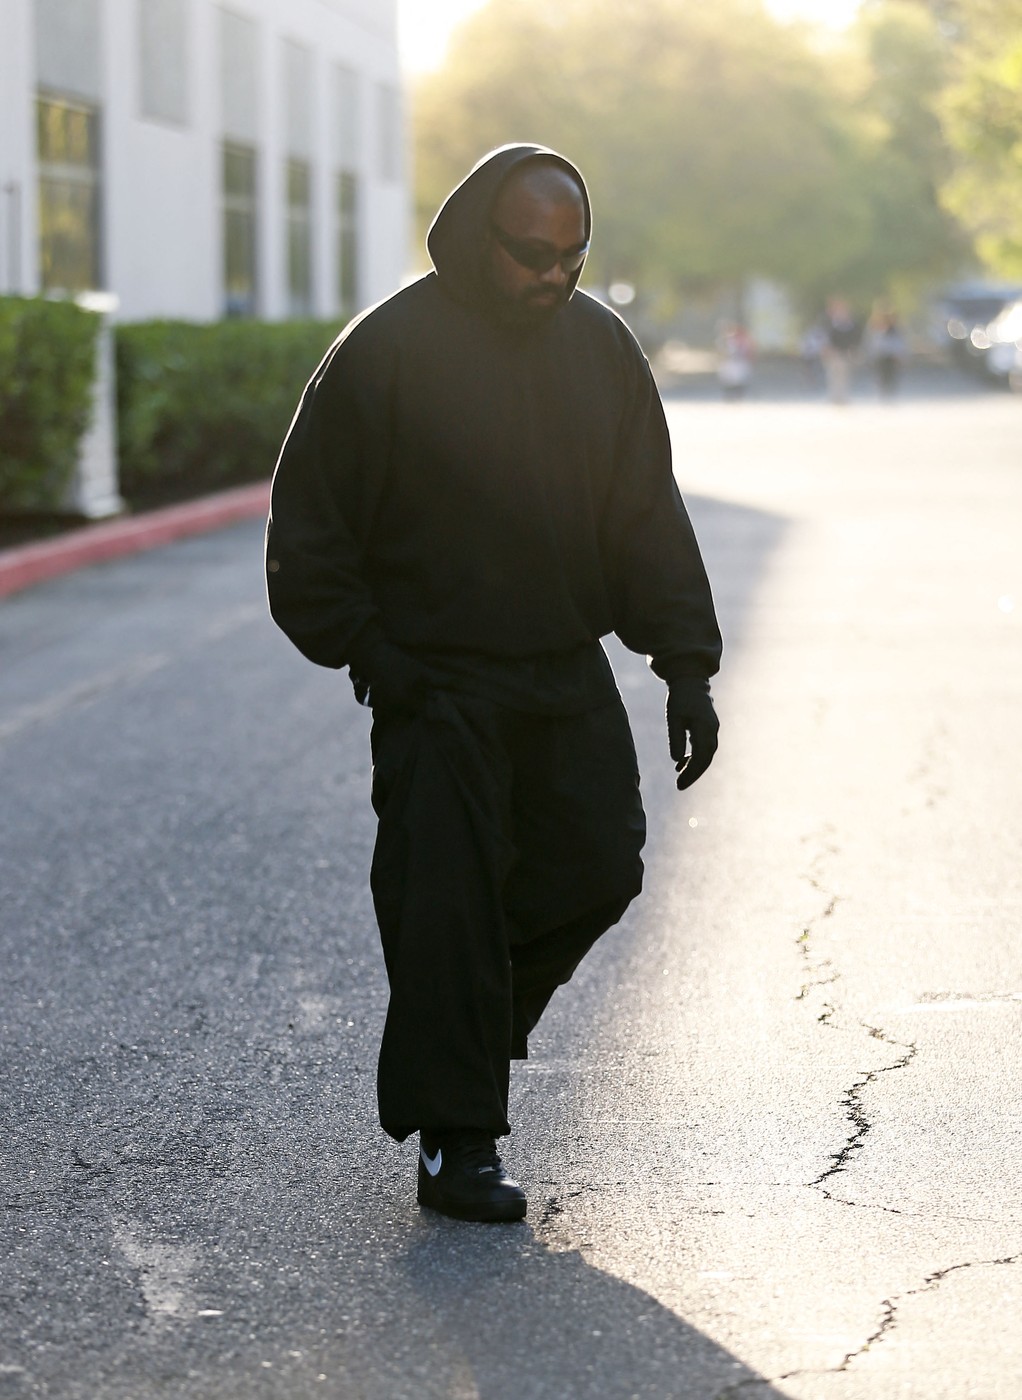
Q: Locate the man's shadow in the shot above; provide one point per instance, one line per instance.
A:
(516, 1318)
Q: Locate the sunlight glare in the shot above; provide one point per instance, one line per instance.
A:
(424, 26)
(830, 14)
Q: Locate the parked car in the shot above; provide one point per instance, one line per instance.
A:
(1004, 353)
(963, 314)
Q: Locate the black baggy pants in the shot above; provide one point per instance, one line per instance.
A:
(507, 844)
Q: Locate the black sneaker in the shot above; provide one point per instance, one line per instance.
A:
(460, 1175)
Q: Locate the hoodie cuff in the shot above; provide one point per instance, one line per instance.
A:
(676, 671)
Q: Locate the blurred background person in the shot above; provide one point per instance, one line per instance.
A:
(735, 355)
(888, 351)
(842, 336)
(811, 351)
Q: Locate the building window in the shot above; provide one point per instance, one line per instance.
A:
(163, 60)
(388, 132)
(346, 161)
(67, 135)
(347, 242)
(299, 98)
(68, 45)
(299, 238)
(347, 127)
(239, 188)
(240, 89)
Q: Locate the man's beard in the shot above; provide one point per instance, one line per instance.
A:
(537, 304)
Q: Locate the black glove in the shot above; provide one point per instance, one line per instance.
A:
(385, 677)
(692, 726)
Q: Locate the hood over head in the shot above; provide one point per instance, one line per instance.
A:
(457, 237)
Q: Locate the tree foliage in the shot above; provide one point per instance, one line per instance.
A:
(904, 60)
(717, 143)
(982, 110)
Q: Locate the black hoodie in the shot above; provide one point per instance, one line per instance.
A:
(490, 497)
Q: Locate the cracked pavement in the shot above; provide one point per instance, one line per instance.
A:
(771, 1133)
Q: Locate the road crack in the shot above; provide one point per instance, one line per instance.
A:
(819, 971)
(852, 1103)
(889, 1315)
(966, 999)
(554, 1206)
(822, 972)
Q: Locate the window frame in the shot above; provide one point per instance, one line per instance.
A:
(70, 177)
(238, 205)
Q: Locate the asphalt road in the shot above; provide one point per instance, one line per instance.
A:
(771, 1133)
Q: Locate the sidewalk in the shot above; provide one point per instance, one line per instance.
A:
(29, 564)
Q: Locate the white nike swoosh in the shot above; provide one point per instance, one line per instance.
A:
(432, 1164)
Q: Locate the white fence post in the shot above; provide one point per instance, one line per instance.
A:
(94, 491)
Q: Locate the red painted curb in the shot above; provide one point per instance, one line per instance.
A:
(34, 563)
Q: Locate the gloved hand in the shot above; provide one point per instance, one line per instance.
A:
(692, 726)
(387, 678)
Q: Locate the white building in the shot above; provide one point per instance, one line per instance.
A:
(199, 159)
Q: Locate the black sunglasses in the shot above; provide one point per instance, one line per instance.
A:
(539, 257)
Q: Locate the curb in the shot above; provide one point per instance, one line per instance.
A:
(29, 564)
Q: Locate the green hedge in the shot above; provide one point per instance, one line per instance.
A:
(201, 407)
(47, 358)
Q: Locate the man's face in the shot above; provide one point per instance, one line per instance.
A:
(537, 220)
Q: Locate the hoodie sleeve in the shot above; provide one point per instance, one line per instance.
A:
(325, 491)
(661, 596)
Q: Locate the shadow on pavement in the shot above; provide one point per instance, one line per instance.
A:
(514, 1317)
(737, 544)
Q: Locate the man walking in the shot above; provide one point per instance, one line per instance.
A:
(475, 489)
(842, 334)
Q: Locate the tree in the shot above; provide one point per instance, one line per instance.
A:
(717, 143)
(982, 111)
(902, 57)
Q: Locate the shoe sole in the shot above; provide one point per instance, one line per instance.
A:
(497, 1213)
